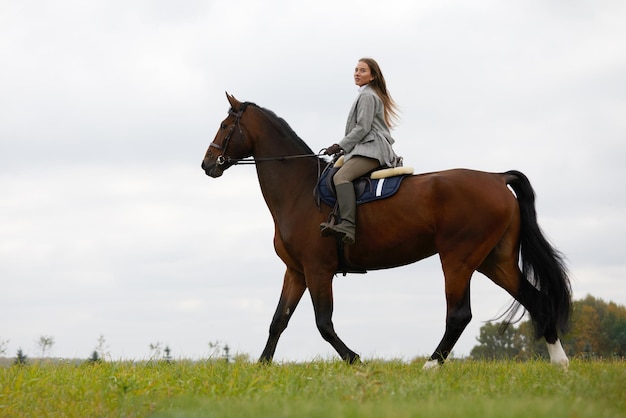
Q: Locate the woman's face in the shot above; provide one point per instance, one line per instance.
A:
(362, 74)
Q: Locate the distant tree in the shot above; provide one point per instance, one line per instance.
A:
(20, 359)
(497, 344)
(216, 348)
(598, 329)
(94, 358)
(168, 357)
(219, 351)
(155, 351)
(45, 343)
(3, 346)
(616, 325)
(102, 348)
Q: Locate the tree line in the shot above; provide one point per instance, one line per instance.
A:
(158, 352)
(598, 330)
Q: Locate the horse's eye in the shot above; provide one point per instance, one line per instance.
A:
(223, 126)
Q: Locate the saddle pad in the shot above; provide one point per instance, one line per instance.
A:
(367, 189)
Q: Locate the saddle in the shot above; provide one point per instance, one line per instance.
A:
(378, 184)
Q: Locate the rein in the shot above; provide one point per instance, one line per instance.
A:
(251, 160)
(221, 160)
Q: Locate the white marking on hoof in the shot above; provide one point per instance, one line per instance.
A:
(431, 365)
(557, 354)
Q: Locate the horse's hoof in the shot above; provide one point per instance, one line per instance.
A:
(354, 360)
(431, 365)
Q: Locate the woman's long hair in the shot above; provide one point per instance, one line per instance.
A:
(380, 87)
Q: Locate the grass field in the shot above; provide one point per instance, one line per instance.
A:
(317, 389)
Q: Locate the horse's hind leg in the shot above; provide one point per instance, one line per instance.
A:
(458, 313)
(503, 270)
(294, 286)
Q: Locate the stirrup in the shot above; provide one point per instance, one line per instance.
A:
(326, 229)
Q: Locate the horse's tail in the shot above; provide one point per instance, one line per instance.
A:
(542, 265)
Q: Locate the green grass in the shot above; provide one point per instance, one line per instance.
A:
(317, 389)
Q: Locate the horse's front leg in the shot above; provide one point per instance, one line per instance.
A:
(294, 286)
(321, 291)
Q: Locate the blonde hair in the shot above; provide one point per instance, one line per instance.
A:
(380, 87)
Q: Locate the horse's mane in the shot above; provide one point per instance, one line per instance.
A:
(279, 123)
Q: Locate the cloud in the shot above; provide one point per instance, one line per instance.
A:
(106, 109)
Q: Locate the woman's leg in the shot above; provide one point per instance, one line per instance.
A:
(352, 169)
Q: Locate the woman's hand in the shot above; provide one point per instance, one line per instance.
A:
(333, 149)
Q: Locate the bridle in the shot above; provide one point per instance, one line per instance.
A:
(221, 159)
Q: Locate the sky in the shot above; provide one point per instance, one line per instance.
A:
(110, 228)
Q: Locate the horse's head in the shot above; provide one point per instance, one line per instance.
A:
(230, 144)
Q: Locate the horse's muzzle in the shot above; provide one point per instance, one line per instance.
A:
(212, 169)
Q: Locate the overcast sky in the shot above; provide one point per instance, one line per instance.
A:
(109, 227)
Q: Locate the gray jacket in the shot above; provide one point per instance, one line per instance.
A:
(367, 133)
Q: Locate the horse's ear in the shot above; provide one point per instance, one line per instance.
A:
(234, 103)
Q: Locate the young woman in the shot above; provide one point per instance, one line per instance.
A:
(366, 144)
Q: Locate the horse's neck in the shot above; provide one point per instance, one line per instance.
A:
(287, 185)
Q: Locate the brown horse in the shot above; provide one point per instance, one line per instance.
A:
(470, 218)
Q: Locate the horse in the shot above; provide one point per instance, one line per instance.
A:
(471, 219)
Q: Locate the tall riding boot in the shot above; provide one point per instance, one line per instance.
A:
(347, 209)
